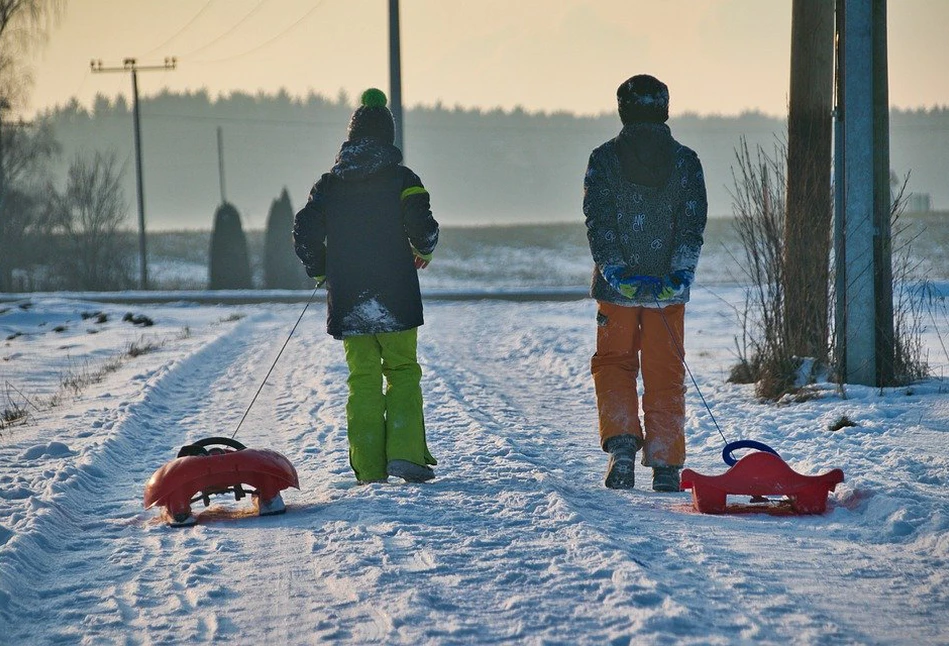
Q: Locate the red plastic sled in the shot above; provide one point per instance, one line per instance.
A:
(761, 474)
(200, 472)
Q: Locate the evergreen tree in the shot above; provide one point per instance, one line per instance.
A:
(282, 268)
(229, 266)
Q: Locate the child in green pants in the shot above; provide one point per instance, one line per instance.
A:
(366, 230)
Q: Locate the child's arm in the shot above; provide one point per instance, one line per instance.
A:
(691, 221)
(309, 233)
(599, 210)
(420, 226)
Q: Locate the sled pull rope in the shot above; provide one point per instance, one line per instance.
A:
(274, 364)
(681, 354)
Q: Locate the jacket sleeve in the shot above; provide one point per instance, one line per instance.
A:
(309, 233)
(693, 216)
(420, 226)
(599, 210)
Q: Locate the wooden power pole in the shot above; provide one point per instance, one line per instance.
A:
(5, 270)
(131, 65)
(807, 231)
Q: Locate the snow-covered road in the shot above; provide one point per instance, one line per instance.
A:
(516, 541)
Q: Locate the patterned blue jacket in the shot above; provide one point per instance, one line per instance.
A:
(645, 206)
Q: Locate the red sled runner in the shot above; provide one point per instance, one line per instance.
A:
(759, 475)
(219, 465)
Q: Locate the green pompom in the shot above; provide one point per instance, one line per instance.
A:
(373, 98)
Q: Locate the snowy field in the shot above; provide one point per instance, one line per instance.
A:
(515, 542)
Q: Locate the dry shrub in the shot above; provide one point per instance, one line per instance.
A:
(760, 211)
(913, 299)
(764, 349)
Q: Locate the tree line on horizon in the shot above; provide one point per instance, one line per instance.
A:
(480, 165)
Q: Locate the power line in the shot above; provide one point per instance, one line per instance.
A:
(229, 31)
(131, 65)
(249, 120)
(293, 26)
(182, 30)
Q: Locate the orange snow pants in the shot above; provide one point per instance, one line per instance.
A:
(630, 340)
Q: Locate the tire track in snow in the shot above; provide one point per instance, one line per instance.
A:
(223, 588)
(515, 471)
(730, 600)
(517, 379)
(94, 527)
(516, 540)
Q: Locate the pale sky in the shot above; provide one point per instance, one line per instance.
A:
(717, 56)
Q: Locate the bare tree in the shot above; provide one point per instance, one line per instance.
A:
(89, 215)
(24, 25)
(760, 213)
(25, 158)
(26, 151)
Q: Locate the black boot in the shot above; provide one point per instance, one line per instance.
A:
(666, 479)
(619, 469)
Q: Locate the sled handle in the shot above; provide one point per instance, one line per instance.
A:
(198, 448)
(744, 444)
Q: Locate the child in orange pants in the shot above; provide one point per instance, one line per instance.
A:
(645, 206)
(646, 340)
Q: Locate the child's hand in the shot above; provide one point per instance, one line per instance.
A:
(421, 259)
(674, 284)
(628, 284)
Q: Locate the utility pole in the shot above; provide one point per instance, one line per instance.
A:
(395, 74)
(882, 201)
(5, 272)
(807, 226)
(863, 199)
(131, 65)
(220, 161)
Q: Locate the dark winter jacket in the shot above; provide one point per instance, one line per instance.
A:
(358, 229)
(645, 206)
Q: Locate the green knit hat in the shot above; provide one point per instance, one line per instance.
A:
(372, 118)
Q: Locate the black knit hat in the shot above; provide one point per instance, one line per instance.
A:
(643, 98)
(372, 118)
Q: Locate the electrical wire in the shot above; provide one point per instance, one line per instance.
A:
(230, 31)
(281, 34)
(180, 31)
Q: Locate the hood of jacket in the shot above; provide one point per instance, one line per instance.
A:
(360, 158)
(647, 153)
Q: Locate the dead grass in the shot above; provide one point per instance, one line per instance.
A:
(764, 352)
(75, 380)
(143, 346)
(15, 406)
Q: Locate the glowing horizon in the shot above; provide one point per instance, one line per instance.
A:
(538, 55)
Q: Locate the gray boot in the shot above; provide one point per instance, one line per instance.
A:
(409, 471)
(619, 469)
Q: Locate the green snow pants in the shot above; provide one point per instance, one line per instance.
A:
(384, 425)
